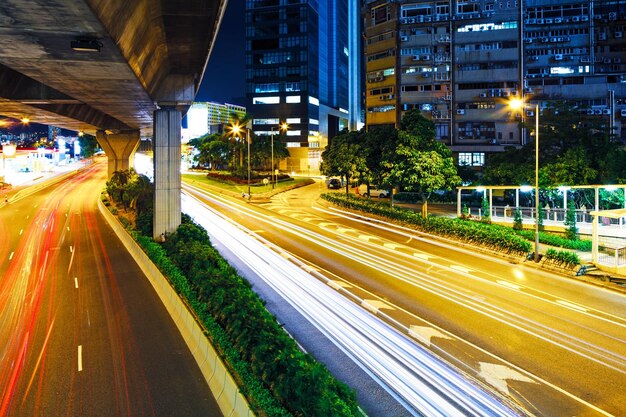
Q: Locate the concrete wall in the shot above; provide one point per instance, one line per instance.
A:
(224, 389)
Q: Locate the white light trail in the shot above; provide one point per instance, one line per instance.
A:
(430, 386)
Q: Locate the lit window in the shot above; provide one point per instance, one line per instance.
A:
(265, 121)
(293, 120)
(266, 100)
(475, 159)
(314, 101)
(343, 110)
(314, 121)
(293, 133)
(561, 70)
(293, 99)
(293, 144)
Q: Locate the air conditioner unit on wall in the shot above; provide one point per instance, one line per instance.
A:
(619, 35)
(584, 18)
(606, 111)
(623, 112)
(558, 57)
(602, 36)
(530, 113)
(460, 111)
(584, 59)
(575, 19)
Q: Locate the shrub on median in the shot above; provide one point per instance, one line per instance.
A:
(562, 257)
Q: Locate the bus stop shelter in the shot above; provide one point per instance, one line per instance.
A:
(613, 258)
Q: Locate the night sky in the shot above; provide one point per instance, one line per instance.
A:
(224, 78)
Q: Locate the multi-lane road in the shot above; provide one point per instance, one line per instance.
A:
(82, 333)
(554, 345)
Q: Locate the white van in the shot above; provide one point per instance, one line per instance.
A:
(374, 192)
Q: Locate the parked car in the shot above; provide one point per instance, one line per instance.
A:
(373, 192)
(333, 183)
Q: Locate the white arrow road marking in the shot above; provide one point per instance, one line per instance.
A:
(366, 237)
(425, 334)
(497, 375)
(375, 305)
(421, 256)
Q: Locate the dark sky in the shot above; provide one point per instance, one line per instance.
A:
(224, 78)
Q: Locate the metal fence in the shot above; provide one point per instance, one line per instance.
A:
(612, 256)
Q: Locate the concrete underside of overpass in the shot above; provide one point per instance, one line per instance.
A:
(144, 67)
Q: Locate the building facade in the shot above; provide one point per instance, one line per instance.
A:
(210, 117)
(460, 62)
(298, 70)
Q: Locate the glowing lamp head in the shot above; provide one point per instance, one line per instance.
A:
(516, 104)
(235, 129)
(25, 120)
(284, 126)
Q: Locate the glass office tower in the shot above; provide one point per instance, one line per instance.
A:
(298, 71)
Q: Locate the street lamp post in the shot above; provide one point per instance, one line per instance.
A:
(236, 131)
(283, 126)
(248, 140)
(519, 104)
(537, 182)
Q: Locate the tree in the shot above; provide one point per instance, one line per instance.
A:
(213, 150)
(419, 162)
(486, 211)
(236, 131)
(517, 219)
(379, 143)
(88, 145)
(344, 157)
(573, 149)
(570, 221)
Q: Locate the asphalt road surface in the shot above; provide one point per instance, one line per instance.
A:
(82, 332)
(554, 345)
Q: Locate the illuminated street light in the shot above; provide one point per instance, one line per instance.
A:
(517, 104)
(25, 120)
(284, 127)
(236, 129)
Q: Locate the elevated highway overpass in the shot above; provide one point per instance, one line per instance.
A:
(116, 69)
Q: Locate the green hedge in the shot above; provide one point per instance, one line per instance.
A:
(555, 240)
(471, 232)
(276, 377)
(563, 257)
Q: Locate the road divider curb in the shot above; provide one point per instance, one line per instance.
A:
(223, 387)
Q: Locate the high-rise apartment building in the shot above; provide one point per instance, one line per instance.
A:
(460, 62)
(298, 70)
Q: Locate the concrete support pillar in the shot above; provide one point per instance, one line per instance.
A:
(458, 203)
(167, 131)
(119, 148)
